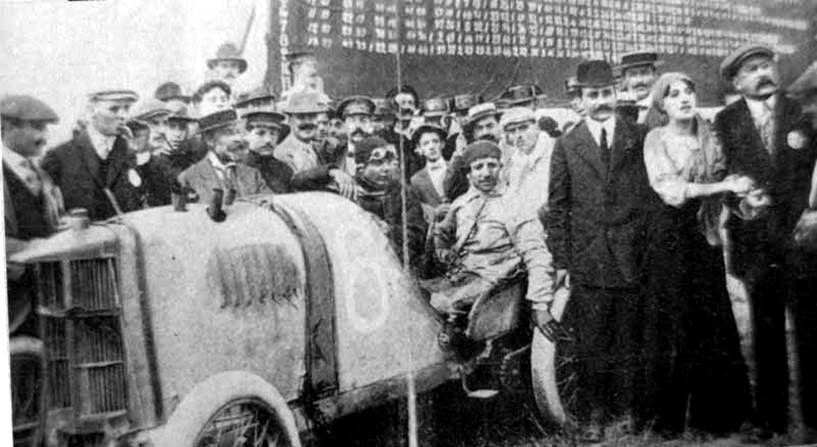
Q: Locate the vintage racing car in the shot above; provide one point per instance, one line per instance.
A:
(169, 328)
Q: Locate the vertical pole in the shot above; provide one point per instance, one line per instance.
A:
(410, 386)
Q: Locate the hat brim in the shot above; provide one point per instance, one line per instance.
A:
(728, 73)
(242, 63)
(468, 125)
(415, 138)
(203, 130)
(345, 103)
(656, 63)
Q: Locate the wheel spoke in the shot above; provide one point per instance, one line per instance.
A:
(242, 424)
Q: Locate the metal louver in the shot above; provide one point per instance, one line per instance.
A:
(82, 332)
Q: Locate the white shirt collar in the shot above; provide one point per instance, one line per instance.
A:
(216, 162)
(14, 159)
(595, 129)
(440, 164)
(103, 144)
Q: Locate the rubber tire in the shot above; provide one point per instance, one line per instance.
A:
(543, 369)
(30, 346)
(211, 395)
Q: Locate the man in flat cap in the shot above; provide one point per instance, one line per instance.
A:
(264, 131)
(758, 136)
(259, 99)
(224, 166)
(95, 170)
(227, 64)
(356, 112)
(597, 214)
(639, 70)
(804, 273)
(481, 123)
(381, 194)
(32, 203)
(311, 170)
(484, 244)
(527, 171)
(155, 114)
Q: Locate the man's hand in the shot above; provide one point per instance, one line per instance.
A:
(551, 329)
(346, 183)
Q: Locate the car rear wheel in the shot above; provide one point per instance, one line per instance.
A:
(552, 374)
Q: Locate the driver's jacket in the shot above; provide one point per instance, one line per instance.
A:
(487, 235)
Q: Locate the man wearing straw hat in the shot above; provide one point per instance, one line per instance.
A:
(95, 170)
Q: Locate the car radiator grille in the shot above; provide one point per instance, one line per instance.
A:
(82, 333)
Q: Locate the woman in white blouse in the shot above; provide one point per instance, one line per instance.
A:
(696, 377)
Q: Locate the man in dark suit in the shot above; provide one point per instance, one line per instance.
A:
(32, 204)
(223, 167)
(598, 208)
(758, 134)
(428, 182)
(264, 131)
(804, 273)
(95, 170)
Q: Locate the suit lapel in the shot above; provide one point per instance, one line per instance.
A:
(622, 144)
(10, 214)
(587, 148)
(424, 180)
(117, 160)
(744, 121)
(90, 158)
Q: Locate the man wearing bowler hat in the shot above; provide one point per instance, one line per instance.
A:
(227, 64)
(95, 170)
(599, 205)
(223, 167)
(264, 131)
(523, 95)
(32, 203)
(171, 94)
(639, 70)
(760, 138)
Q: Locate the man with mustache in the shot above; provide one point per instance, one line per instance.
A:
(598, 210)
(223, 167)
(480, 123)
(356, 112)
(264, 131)
(639, 70)
(760, 138)
(32, 203)
(483, 244)
(95, 170)
(312, 170)
(227, 64)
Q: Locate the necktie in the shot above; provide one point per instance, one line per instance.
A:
(31, 179)
(767, 128)
(605, 150)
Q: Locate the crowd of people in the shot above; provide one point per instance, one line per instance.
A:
(632, 206)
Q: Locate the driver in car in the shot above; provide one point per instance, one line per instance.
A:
(485, 241)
